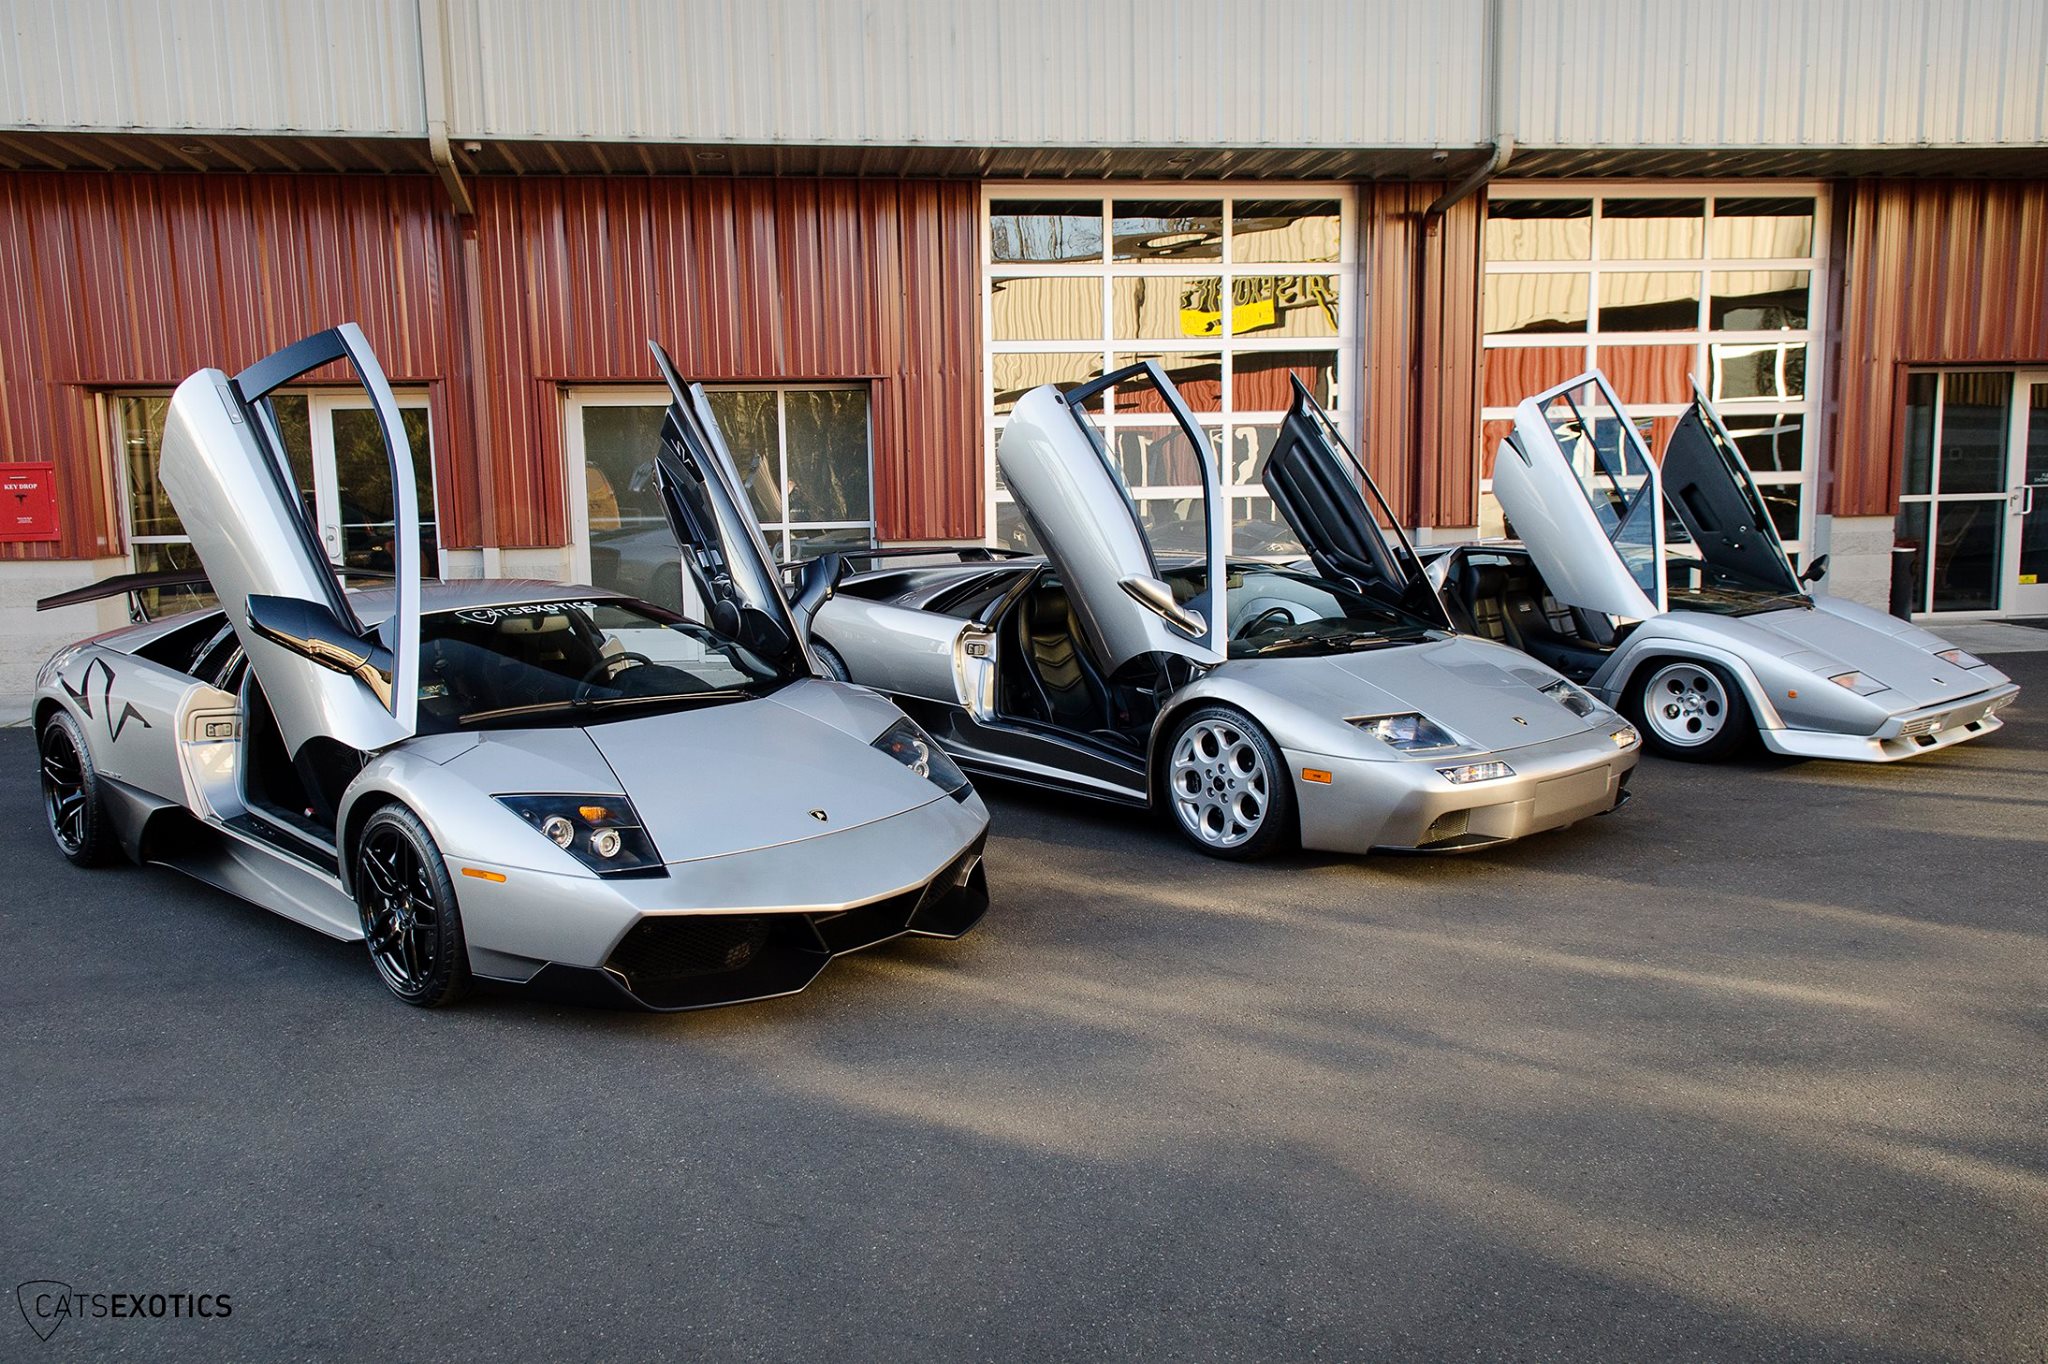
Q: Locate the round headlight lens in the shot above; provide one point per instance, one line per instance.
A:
(605, 842)
(559, 830)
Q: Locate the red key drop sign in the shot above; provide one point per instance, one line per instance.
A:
(28, 501)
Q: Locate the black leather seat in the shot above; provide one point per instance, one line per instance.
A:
(1484, 587)
(1073, 696)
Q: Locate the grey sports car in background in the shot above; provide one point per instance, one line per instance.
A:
(1661, 586)
(1330, 700)
(562, 788)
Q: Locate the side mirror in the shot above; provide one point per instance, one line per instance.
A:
(815, 585)
(1814, 570)
(1156, 597)
(310, 630)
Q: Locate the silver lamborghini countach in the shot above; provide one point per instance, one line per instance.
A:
(1662, 588)
(1327, 700)
(558, 787)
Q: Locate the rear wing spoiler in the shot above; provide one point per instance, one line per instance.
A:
(133, 585)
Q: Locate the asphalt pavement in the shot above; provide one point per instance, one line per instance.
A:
(1756, 1068)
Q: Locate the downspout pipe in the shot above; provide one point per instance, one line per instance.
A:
(434, 93)
(1503, 152)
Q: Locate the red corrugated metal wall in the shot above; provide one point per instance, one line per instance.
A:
(1421, 354)
(133, 281)
(740, 279)
(1935, 272)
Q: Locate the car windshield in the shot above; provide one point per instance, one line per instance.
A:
(1278, 610)
(1695, 583)
(575, 661)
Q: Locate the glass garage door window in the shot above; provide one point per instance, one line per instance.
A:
(1657, 286)
(1232, 290)
(804, 457)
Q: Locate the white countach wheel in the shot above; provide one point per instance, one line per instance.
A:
(1227, 786)
(1690, 710)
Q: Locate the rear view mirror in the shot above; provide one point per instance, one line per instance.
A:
(816, 583)
(1156, 597)
(1815, 570)
(313, 632)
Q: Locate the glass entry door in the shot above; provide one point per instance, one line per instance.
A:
(350, 480)
(2027, 503)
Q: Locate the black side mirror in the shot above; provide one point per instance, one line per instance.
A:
(1815, 570)
(815, 584)
(313, 632)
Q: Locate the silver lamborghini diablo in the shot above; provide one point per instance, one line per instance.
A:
(560, 788)
(1327, 700)
(1661, 587)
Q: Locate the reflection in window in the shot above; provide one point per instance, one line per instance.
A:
(1198, 375)
(1524, 305)
(1014, 374)
(1976, 426)
(1652, 229)
(1759, 300)
(1285, 230)
(1262, 381)
(1050, 230)
(1761, 229)
(363, 488)
(1773, 442)
(1663, 301)
(1920, 397)
(1046, 308)
(1768, 369)
(1539, 229)
(1166, 307)
(1167, 229)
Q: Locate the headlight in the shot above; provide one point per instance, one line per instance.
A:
(1472, 772)
(1962, 658)
(601, 832)
(1858, 683)
(912, 747)
(1409, 733)
(1572, 697)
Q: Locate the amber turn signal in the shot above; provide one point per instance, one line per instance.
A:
(1316, 775)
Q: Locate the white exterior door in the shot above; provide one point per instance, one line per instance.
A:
(2026, 571)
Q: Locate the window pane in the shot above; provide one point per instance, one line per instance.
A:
(1045, 229)
(1285, 229)
(1769, 442)
(1012, 532)
(747, 419)
(1249, 446)
(827, 446)
(292, 412)
(1975, 422)
(1198, 375)
(1652, 229)
(171, 601)
(1284, 305)
(362, 475)
(1167, 307)
(1782, 500)
(142, 434)
(1056, 309)
(1969, 540)
(1154, 456)
(2034, 529)
(1911, 529)
(1257, 530)
(1753, 229)
(809, 544)
(631, 547)
(1759, 300)
(1920, 395)
(1646, 374)
(1529, 304)
(1759, 370)
(1167, 229)
(1013, 376)
(1175, 525)
(1539, 229)
(1666, 301)
(1260, 380)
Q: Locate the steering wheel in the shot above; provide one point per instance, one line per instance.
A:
(1257, 624)
(604, 665)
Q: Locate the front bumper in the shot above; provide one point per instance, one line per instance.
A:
(1407, 805)
(724, 930)
(1903, 735)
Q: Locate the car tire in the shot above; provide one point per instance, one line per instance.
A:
(1687, 710)
(71, 794)
(1225, 786)
(398, 874)
(829, 659)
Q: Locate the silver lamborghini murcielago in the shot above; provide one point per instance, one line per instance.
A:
(1328, 699)
(559, 787)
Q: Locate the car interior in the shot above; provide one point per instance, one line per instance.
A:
(1046, 676)
(1502, 597)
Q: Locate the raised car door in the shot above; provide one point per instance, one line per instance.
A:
(1073, 494)
(726, 562)
(1327, 496)
(1709, 489)
(325, 670)
(1578, 483)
